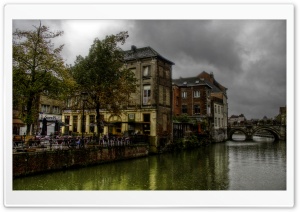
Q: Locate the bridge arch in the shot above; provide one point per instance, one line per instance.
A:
(274, 132)
(234, 130)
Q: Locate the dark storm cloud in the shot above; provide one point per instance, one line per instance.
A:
(246, 56)
(208, 42)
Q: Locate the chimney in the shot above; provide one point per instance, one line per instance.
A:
(211, 75)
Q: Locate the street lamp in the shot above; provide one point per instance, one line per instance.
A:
(84, 99)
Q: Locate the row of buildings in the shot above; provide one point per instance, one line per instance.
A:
(152, 108)
(280, 119)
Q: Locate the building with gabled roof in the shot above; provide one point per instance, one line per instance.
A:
(237, 119)
(144, 53)
(203, 99)
(149, 113)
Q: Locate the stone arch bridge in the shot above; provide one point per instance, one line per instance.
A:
(278, 131)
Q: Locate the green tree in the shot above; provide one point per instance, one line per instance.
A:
(37, 68)
(183, 119)
(104, 76)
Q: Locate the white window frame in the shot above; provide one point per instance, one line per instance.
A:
(197, 94)
(146, 71)
(55, 109)
(146, 94)
(184, 94)
(45, 108)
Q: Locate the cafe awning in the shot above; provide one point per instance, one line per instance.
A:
(18, 122)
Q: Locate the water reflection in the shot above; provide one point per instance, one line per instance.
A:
(234, 165)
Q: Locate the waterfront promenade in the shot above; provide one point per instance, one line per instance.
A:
(44, 155)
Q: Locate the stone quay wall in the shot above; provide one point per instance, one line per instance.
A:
(28, 163)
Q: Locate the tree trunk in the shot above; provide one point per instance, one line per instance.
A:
(29, 118)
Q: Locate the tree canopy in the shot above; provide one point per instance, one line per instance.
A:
(37, 68)
(103, 75)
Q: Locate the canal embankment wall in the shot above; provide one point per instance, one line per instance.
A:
(29, 163)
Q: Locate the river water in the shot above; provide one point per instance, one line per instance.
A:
(232, 165)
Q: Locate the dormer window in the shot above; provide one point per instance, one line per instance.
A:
(197, 81)
(184, 83)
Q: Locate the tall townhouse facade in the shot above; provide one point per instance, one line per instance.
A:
(51, 110)
(149, 112)
(219, 101)
(201, 98)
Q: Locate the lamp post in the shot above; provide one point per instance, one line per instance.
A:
(84, 99)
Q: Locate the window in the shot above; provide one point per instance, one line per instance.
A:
(76, 100)
(196, 94)
(46, 108)
(146, 71)
(146, 117)
(177, 100)
(196, 109)
(184, 94)
(146, 95)
(68, 103)
(131, 117)
(75, 121)
(215, 109)
(55, 109)
(184, 109)
(146, 126)
(216, 122)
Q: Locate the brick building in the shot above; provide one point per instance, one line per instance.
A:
(191, 96)
(201, 98)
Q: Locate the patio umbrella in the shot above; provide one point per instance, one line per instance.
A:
(44, 127)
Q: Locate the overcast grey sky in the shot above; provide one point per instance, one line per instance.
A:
(246, 56)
